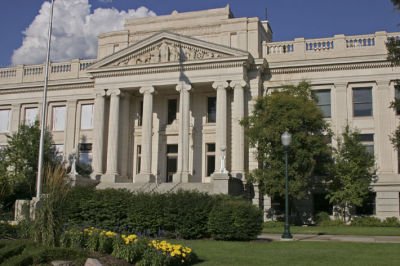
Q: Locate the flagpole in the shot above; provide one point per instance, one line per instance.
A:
(44, 108)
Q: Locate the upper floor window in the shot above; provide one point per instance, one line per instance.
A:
(324, 102)
(31, 115)
(397, 98)
(172, 109)
(362, 101)
(140, 118)
(368, 141)
(87, 116)
(59, 114)
(5, 120)
(211, 109)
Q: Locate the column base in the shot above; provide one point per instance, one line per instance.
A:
(112, 178)
(96, 176)
(145, 178)
(181, 178)
(220, 183)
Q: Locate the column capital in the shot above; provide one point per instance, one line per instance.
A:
(147, 90)
(183, 86)
(220, 85)
(384, 83)
(341, 84)
(238, 83)
(115, 92)
(100, 93)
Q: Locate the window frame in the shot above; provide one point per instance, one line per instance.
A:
(81, 115)
(208, 108)
(53, 107)
(320, 105)
(8, 129)
(208, 154)
(370, 88)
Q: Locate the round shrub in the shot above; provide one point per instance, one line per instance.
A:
(235, 220)
(322, 217)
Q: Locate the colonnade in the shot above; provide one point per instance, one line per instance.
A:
(111, 173)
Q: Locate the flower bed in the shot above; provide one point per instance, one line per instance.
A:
(130, 247)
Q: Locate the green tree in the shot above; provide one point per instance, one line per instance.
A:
(19, 162)
(294, 109)
(352, 172)
(393, 47)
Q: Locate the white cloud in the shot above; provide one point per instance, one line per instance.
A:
(75, 31)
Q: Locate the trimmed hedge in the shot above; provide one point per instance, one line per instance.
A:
(235, 220)
(375, 222)
(184, 214)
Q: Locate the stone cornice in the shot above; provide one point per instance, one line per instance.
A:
(329, 67)
(39, 88)
(143, 70)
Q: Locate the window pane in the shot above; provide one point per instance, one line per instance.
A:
(31, 115)
(140, 120)
(370, 148)
(5, 120)
(362, 95)
(324, 96)
(366, 137)
(210, 164)
(326, 110)
(85, 158)
(172, 108)
(211, 109)
(211, 147)
(173, 148)
(87, 116)
(397, 97)
(363, 109)
(59, 113)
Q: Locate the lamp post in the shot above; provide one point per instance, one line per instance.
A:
(286, 139)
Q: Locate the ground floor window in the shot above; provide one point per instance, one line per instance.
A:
(172, 161)
(138, 158)
(85, 153)
(368, 205)
(210, 158)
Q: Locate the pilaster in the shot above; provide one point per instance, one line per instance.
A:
(69, 139)
(15, 116)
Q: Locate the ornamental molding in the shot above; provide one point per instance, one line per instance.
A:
(330, 67)
(39, 88)
(166, 69)
(166, 48)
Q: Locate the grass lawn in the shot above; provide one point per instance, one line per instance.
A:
(337, 230)
(294, 253)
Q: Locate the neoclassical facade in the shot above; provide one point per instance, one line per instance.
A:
(159, 108)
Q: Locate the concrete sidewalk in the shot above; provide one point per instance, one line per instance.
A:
(339, 238)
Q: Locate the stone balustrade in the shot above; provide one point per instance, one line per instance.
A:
(338, 46)
(34, 73)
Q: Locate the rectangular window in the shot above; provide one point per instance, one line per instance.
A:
(324, 102)
(368, 141)
(59, 113)
(397, 98)
(31, 115)
(172, 161)
(172, 109)
(87, 116)
(362, 101)
(210, 158)
(60, 151)
(85, 153)
(5, 120)
(138, 158)
(140, 119)
(211, 109)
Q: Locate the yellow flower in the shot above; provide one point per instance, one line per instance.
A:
(183, 255)
(182, 261)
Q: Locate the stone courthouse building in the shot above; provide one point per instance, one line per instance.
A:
(159, 108)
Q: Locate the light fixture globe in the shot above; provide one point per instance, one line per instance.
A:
(286, 139)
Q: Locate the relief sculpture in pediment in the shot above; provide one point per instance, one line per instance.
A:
(168, 52)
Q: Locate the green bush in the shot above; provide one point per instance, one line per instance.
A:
(322, 217)
(11, 248)
(235, 220)
(366, 221)
(7, 230)
(391, 222)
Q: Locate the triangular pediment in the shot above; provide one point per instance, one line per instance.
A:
(166, 47)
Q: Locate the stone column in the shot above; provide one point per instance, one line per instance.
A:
(98, 134)
(184, 124)
(221, 123)
(237, 130)
(145, 174)
(113, 135)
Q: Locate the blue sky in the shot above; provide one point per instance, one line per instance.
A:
(289, 19)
